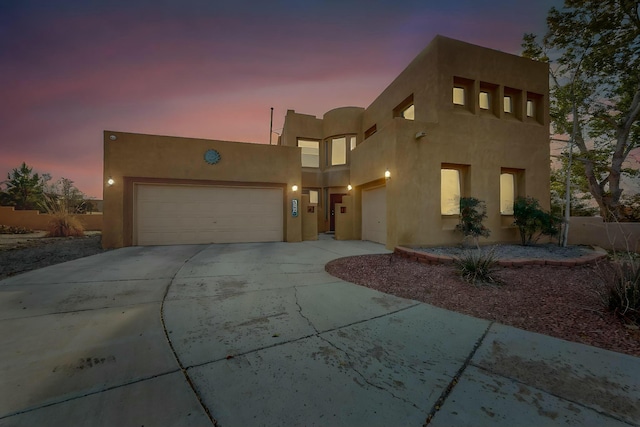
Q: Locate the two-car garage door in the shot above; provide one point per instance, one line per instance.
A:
(181, 214)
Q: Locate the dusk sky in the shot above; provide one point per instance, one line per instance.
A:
(70, 69)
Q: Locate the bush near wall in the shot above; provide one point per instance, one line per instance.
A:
(36, 221)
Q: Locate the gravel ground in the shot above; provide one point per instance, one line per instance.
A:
(556, 301)
(22, 253)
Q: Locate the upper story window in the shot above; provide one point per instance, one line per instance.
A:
(313, 196)
(531, 110)
(405, 109)
(310, 153)
(339, 151)
(484, 100)
(458, 95)
(352, 142)
(508, 104)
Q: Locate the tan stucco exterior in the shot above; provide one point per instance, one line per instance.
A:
(130, 159)
(481, 141)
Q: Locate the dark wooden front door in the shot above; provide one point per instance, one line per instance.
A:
(334, 198)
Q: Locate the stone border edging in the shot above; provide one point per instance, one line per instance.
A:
(427, 258)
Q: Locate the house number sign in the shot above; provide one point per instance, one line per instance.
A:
(294, 208)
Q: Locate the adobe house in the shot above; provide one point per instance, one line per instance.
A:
(460, 120)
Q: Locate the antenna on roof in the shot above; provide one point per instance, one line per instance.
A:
(271, 127)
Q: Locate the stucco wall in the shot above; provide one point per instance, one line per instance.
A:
(309, 213)
(593, 231)
(37, 221)
(132, 158)
(483, 143)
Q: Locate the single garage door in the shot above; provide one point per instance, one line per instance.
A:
(374, 215)
(178, 214)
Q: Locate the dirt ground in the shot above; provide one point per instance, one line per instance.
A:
(20, 253)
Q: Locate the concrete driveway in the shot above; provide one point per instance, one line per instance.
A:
(260, 334)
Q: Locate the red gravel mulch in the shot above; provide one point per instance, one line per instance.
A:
(558, 301)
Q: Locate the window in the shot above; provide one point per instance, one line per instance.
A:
(458, 96)
(313, 197)
(352, 142)
(508, 104)
(408, 113)
(405, 109)
(370, 131)
(310, 153)
(530, 108)
(484, 100)
(339, 151)
(450, 191)
(507, 192)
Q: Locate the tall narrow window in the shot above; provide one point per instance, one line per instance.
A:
(310, 153)
(370, 131)
(507, 193)
(458, 96)
(313, 197)
(483, 100)
(339, 151)
(508, 104)
(531, 110)
(450, 191)
(352, 142)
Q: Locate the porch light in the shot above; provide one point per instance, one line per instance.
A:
(349, 187)
(387, 174)
(110, 181)
(294, 188)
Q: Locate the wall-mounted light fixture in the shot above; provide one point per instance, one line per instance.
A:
(294, 188)
(113, 137)
(421, 134)
(387, 174)
(110, 181)
(349, 187)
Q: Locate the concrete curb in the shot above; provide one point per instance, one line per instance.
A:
(427, 258)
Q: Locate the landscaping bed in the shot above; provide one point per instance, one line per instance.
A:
(553, 300)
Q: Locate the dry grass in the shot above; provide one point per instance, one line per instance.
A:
(64, 225)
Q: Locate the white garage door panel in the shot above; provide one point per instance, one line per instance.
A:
(189, 215)
(374, 215)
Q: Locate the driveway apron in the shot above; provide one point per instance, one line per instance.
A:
(260, 334)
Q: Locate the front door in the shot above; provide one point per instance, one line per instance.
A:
(334, 198)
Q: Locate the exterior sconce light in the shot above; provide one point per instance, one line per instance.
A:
(113, 137)
(294, 188)
(110, 181)
(349, 187)
(421, 134)
(387, 174)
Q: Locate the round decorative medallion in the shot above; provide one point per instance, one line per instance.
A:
(212, 157)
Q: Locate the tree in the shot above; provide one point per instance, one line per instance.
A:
(66, 197)
(593, 47)
(472, 213)
(24, 189)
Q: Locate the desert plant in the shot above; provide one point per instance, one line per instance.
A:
(472, 213)
(620, 290)
(62, 223)
(532, 221)
(477, 267)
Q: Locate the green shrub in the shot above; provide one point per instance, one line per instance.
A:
(472, 213)
(620, 290)
(532, 221)
(477, 267)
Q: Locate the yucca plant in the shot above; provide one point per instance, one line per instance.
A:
(477, 267)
